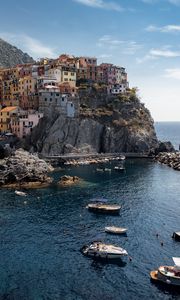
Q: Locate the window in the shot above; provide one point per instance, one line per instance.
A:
(7, 113)
(57, 95)
(65, 73)
(50, 99)
(72, 74)
(45, 99)
(71, 105)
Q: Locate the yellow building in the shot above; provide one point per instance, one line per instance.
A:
(68, 75)
(27, 85)
(5, 117)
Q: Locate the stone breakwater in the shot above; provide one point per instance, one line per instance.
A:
(25, 170)
(170, 159)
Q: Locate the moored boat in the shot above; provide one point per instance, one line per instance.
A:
(101, 250)
(104, 208)
(19, 193)
(119, 168)
(115, 230)
(168, 274)
(176, 236)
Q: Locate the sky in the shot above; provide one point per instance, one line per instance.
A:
(141, 35)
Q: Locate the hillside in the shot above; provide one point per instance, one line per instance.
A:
(11, 56)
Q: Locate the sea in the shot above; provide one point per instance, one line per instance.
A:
(41, 234)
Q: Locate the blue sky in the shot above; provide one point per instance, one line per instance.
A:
(141, 35)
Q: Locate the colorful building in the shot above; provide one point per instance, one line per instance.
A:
(5, 118)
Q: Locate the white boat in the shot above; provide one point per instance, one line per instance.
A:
(119, 168)
(104, 208)
(168, 274)
(19, 193)
(101, 250)
(115, 230)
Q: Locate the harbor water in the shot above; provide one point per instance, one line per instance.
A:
(41, 235)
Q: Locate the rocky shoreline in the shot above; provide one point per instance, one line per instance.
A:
(24, 170)
(170, 159)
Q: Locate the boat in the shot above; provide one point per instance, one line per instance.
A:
(99, 170)
(104, 208)
(119, 168)
(102, 250)
(176, 236)
(121, 157)
(115, 230)
(107, 170)
(19, 193)
(168, 274)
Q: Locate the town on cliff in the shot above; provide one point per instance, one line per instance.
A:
(29, 91)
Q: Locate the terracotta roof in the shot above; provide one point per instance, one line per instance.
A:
(8, 108)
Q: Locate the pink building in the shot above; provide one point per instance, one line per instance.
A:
(87, 68)
(22, 124)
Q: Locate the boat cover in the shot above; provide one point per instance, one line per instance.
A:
(176, 261)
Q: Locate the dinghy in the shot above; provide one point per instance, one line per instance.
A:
(115, 230)
(104, 208)
(19, 193)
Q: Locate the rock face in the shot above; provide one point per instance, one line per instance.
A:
(68, 180)
(11, 56)
(119, 125)
(170, 159)
(24, 169)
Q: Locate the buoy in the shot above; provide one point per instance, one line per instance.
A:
(157, 235)
(162, 244)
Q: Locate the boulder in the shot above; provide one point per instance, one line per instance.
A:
(68, 180)
(24, 169)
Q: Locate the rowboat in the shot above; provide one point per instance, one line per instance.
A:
(176, 235)
(104, 208)
(19, 193)
(101, 250)
(115, 230)
(168, 274)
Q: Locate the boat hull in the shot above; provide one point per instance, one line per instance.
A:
(156, 275)
(116, 230)
(104, 211)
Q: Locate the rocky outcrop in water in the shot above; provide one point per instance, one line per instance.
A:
(11, 56)
(69, 180)
(170, 159)
(23, 169)
(120, 124)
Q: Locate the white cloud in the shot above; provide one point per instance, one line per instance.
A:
(164, 53)
(105, 56)
(173, 73)
(111, 43)
(167, 28)
(154, 54)
(32, 46)
(101, 4)
(174, 2)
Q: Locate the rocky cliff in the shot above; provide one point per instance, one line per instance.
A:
(10, 56)
(105, 124)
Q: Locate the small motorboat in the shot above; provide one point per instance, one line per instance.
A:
(107, 170)
(99, 170)
(119, 168)
(101, 250)
(176, 235)
(168, 274)
(115, 230)
(121, 157)
(19, 193)
(104, 208)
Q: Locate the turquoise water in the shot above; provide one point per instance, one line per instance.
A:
(40, 235)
